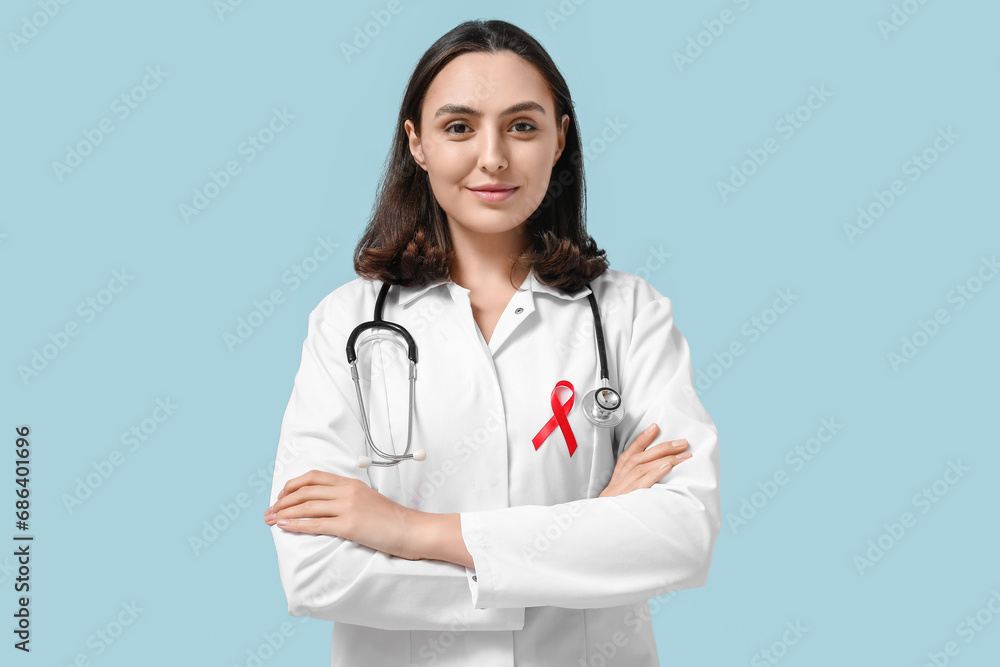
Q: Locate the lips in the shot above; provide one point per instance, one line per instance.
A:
(493, 187)
(494, 193)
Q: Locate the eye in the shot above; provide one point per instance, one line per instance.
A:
(530, 127)
(454, 125)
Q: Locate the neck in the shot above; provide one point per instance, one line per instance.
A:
(484, 259)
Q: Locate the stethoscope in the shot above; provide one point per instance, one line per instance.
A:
(602, 406)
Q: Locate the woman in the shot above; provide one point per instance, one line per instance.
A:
(528, 535)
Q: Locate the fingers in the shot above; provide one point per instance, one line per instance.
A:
(641, 441)
(660, 450)
(302, 495)
(639, 451)
(308, 509)
(312, 526)
(660, 468)
(312, 477)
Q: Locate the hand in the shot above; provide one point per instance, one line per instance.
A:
(640, 468)
(322, 503)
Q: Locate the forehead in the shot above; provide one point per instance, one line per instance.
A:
(486, 81)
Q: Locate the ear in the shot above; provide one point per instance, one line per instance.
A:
(416, 148)
(563, 128)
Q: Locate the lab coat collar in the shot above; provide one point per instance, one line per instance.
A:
(407, 294)
(570, 296)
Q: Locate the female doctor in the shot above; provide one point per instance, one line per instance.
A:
(526, 535)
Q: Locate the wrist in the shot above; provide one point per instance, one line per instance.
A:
(418, 535)
(439, 537)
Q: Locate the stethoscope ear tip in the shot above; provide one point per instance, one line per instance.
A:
(419, 455)
(364, 462)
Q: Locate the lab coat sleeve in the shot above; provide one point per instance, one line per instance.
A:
(335, 579)
(603, 552)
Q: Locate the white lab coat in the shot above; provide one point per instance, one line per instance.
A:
(561, 576)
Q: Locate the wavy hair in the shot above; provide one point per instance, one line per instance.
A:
(407, 241)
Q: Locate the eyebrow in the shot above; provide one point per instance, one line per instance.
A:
(469, 111)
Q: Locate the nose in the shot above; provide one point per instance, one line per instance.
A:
(493, 152)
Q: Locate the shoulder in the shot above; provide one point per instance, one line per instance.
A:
(347, 302)
(616, 289)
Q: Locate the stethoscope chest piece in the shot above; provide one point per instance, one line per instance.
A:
(603, 406)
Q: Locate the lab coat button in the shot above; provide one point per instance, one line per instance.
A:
(474, 578)
(519, 311)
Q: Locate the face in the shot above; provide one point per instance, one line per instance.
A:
(488, 119)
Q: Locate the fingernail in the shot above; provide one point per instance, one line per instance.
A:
(268, 510)
(282, 522)
(280, 493)
(684, 455)
(270, 516)
(664, 465)
(649, 429)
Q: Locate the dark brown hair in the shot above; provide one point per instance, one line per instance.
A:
(406, 241)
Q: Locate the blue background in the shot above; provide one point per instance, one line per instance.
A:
(687, 126)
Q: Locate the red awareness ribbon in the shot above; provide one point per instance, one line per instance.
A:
(559, 412)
